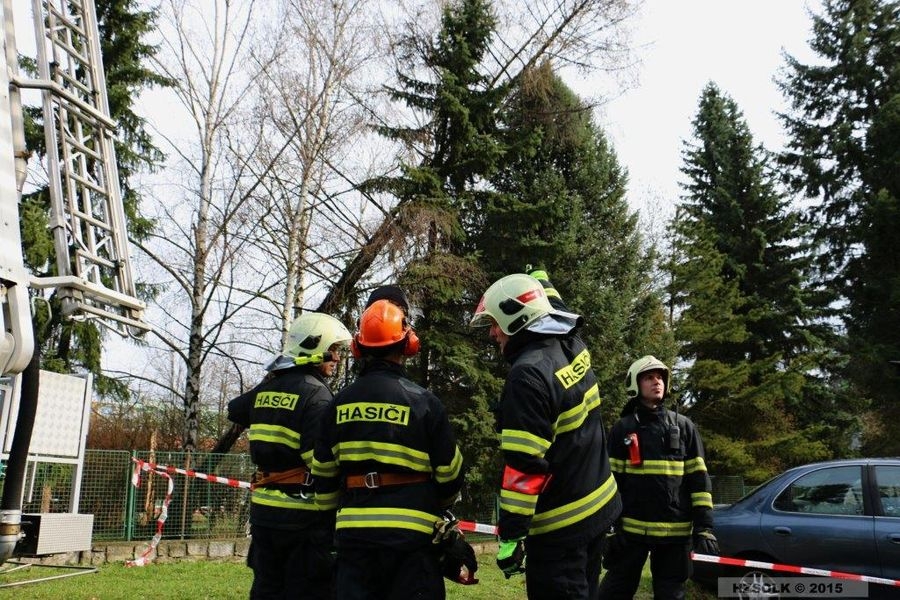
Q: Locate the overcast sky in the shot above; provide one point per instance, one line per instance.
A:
(683, 44)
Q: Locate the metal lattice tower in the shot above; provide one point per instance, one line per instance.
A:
(94, 275)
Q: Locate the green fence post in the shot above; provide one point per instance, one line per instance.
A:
(129, 501)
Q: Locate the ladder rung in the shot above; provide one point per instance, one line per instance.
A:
(92, 220)
(86, 183)
(88, 92)
(69, 23)
(96, 260)
(71, 140)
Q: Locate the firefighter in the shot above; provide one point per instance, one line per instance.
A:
(657, 458)
(558, 496)
(389, 462)
(291, 537)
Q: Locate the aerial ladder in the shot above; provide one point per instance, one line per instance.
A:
(93, 275)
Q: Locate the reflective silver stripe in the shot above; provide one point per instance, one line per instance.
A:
(573, 512)
(399, 518)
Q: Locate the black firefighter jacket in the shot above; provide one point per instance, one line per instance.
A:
(666, 495)
(557, 486)
(283, 415)
(385, 423)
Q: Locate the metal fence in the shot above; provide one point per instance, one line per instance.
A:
(198, 509)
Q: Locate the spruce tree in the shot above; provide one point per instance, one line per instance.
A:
(746, 322)
(562, 206)
(66, 345)
(458, 134)
(842, 129)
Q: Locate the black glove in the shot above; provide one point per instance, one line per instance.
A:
(511, 557)
(612, 545)
(458, 563)
(705, 542)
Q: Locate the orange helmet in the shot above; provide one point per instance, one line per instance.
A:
(384, 324)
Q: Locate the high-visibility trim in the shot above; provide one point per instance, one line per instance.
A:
(671, 468)
(382, 517)
(307, 456)
(275, 434)
(525, 483)
(573, 418)
(448, 473)
(573, 512)
(391, 454)
(518, 503)
(326, 469)
(279, 499)
(701, 499)
(657, 529)
(516, 440)
(694, 465)
(575, 370)
(327, 501)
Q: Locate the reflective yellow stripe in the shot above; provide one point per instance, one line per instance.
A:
(657, 529)
(324, 469)
(701, 499)
(400, 518)
(694, 465)
(327, 501)
(269, 497)
(672, 468)
(517, 502)
(448, 473)
(573, 512)
(516, 440)
(392, 454)
(276, 434)
(573, 418)
(575, 371)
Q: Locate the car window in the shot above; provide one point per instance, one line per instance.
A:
(829, 491)
(888, 479)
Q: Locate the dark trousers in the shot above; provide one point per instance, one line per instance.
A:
(670, 566)
(379, 573)
(291, 564)
(557, 572)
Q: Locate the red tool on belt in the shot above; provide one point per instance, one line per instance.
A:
(634, 449)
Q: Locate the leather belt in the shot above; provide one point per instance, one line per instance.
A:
(299, 475)
(375, 480)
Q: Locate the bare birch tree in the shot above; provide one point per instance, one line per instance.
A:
(210, 48)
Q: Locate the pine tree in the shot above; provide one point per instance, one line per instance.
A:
(842, 127)
(67, 345)
(746, 322)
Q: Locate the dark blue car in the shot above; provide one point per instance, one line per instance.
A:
(841, 515)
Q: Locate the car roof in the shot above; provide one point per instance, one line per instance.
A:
(895, 460)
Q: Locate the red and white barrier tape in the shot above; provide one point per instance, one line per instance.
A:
(477, 527)
(144, 558)
(149, 466)
(756, 564)
(736, 562)
(167, 471)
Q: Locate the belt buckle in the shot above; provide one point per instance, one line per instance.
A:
(307, 478)
(372, 480)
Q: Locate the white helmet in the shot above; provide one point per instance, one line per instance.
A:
(314, 333)
(514, 302)
(642, 365)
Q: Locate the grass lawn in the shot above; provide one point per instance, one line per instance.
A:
(210, 580)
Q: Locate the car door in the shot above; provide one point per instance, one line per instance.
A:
(818, 521)
(887, 519)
